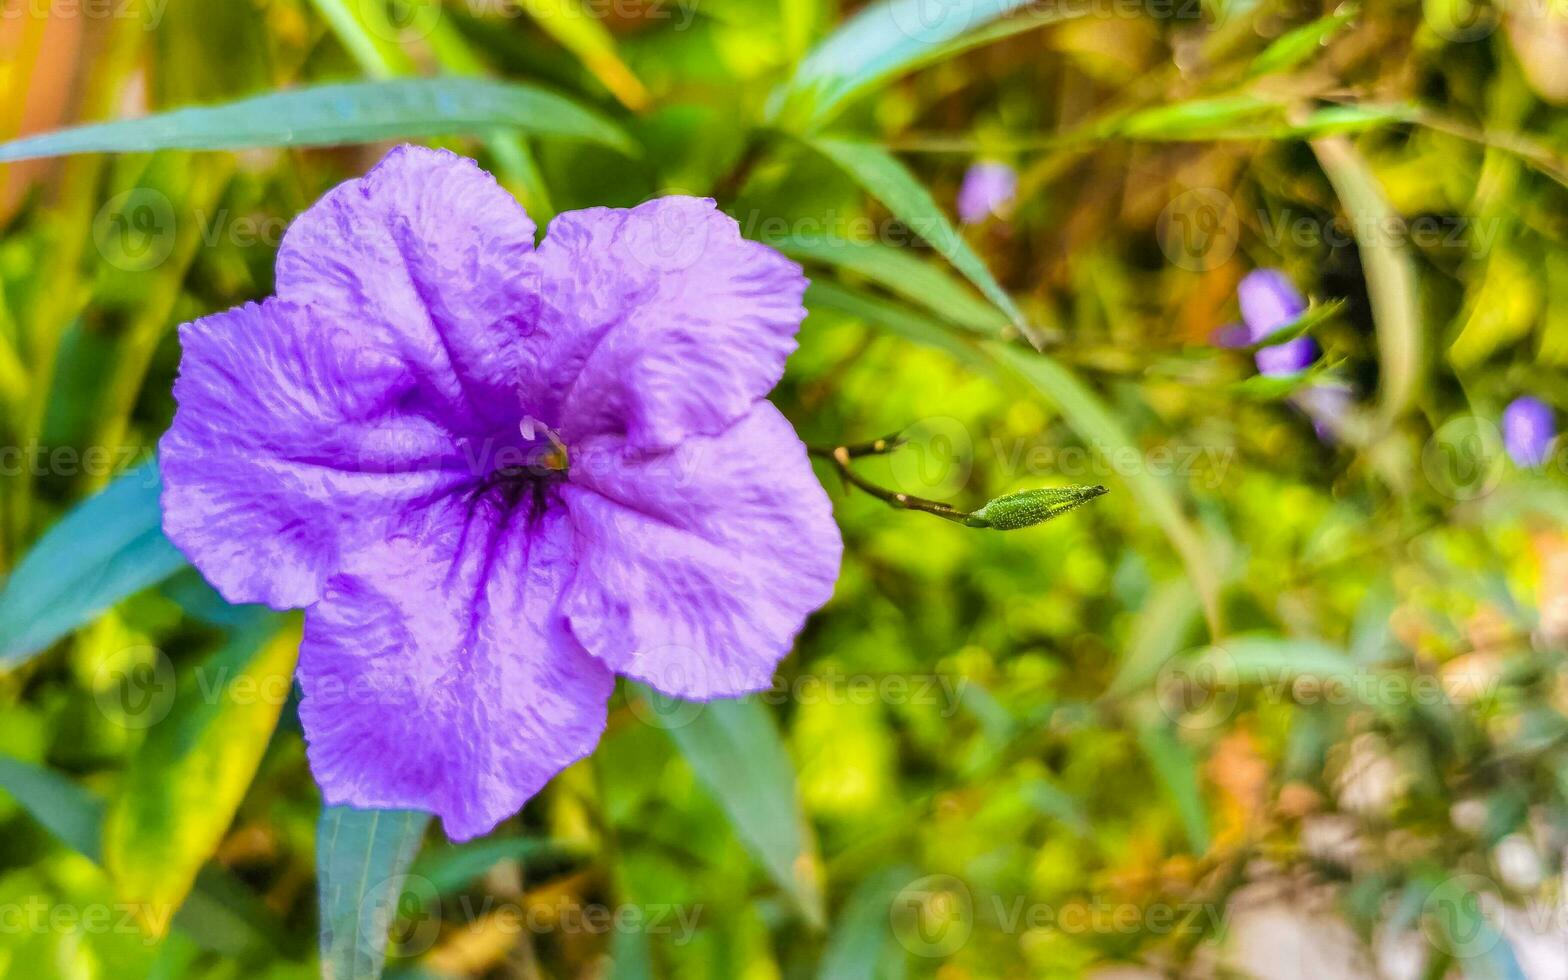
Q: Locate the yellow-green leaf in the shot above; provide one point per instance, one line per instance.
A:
(188, 778)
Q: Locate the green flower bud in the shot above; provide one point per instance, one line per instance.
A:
(1027, 508)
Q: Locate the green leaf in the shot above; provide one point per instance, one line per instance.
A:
(1095, 424)
(904, 274)
(355, 112)
(371, 49)
(1157, 635)
(880, 42)
(630, 958)
(889, 181)
(108, 547)
(1390, 275)
(861, 940)
(1177, 770)
(1266, 659)
(188, 778)
(1296, 46)
(221, 915)
(1333, 119)
(66, 809)
(1312, 318)
(1196, 119)
(458, 865)
(362, 861)
(582, 33)
(735, 750)
(905, 322)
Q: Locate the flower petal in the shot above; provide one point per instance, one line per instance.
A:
(659, 322)
(438, 675)
(288, 442)
(698, 567)
(424, 254)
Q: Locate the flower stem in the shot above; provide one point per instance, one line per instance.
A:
(840, 456)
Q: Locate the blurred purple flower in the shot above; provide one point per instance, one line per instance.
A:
(1291, 357)
(496, 476)
(987, 190)
(1528, 430)
(1232, 335)
(1326, 405)
(1269, 302)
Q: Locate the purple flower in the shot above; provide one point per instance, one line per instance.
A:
(1291, 357)
(1269, 302)
(987, 190)
(1326, 405)
(1528, 431)
(496, 476)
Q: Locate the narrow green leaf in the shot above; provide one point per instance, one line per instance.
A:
(582, 33)
(903, 273)
(1301, 44)
(456, 866)
(735, 750)
(880, 42)
(1269, 659)
(108, 547)
(1055, 802)
(1157, 636)
(1177, 771)
(862, 940)
(376, 54)
(66, 810)
(362, 861)
(630, 958)
(355, 112)
(1335, 119)
(1096, 426)
(1390, 275)
(901, 320)
(1196, 119)
(1314, 316)
(187, 779)
(890, 182)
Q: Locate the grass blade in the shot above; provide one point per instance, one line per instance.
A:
(109, 547)
(355, 112)
(890, 182)
(1390, 274)
(880, 42)
(735, 750)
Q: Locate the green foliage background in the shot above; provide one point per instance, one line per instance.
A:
(1268, 668)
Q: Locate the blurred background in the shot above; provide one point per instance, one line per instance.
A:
(1289, 701)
